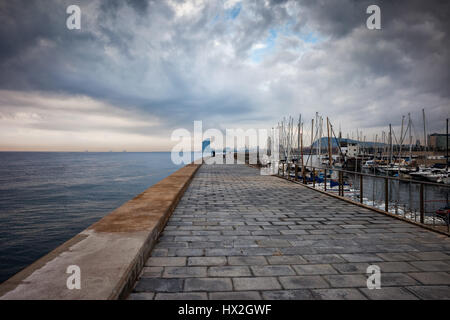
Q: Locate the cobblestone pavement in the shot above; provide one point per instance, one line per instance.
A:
(239, 235)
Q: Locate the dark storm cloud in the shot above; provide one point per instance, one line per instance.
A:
(113, 5)
(412, 40)
(185, 60)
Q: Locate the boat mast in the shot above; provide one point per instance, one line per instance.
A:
(329, 143)
(390, 143)
(401, 139)
(312, 139)
(317, 136)
(301, 146)
(365, 147)
(425, 136)
(410, 138)
(447, 147)
(376, 146)
(292, 140)
(288, 135)
(298, 133)
(320, 138)
(375, 154)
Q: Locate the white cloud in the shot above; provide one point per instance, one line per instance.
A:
(187, 8)
(34, 120)
(228, 4)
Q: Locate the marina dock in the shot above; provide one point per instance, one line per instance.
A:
(227, 232)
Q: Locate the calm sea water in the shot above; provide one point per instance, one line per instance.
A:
(47, 198)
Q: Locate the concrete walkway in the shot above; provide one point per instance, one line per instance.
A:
(239, 235)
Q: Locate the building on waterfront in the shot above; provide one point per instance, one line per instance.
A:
(437, 141)
(350, 149)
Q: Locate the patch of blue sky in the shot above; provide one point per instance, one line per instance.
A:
(269, 44)
(266, 47)
(216, 18)
(310, 37)
(233, 12)
(228, 14)
(305, 35)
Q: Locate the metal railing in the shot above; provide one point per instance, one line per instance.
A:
(403, 197)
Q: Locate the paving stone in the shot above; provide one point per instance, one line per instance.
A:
(225, 252)
(182, 296)
(338, 294)
(159, 285)
(235, 295)
(389, 293)
(141, 296)
(152, 271)
(229, 271)
(203, 244)
(298, 231)
(395, 266)
(303, 282)
(287, 295)
(396, 248)
(347, 281)
(397, 279)
(190, 238)
(358, 267)
(352, 226)
(184, 272)
(286, 260)
(250, 260)
(208, 284)
(166, 261)
(435, 278)
(431, 292)
(431, 265)
(260, 251)
(265, 232)
(273, 270)
(186, 252)
(396, 256)
(323, 258)
(159, 252)
(256, 283)
(170, 244)
(273, 243)
(303, 250)
(244, 244)
(431, 255)
(361, 257)
(308, 269)
(206, 261)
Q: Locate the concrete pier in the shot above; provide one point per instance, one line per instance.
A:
(238, 235)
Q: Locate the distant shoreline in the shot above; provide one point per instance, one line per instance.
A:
(10, 151)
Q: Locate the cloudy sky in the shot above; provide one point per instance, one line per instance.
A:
(138, 69)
